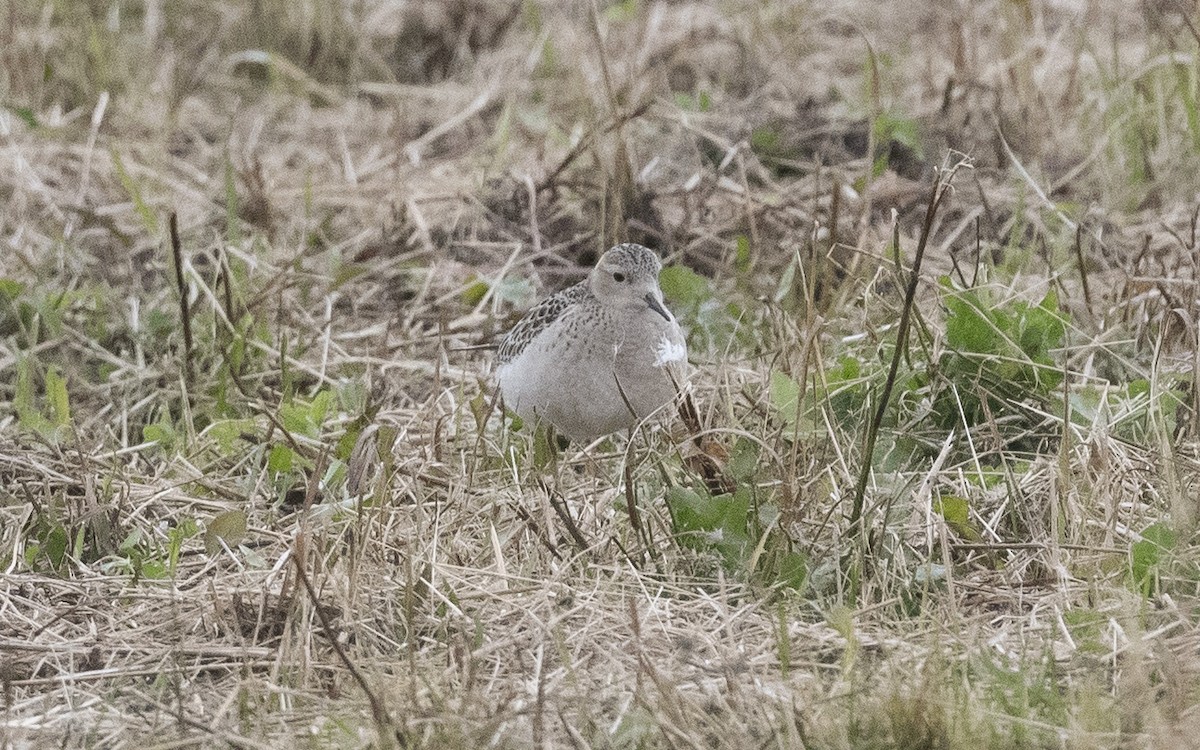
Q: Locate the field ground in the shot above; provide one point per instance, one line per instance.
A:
(939, 489)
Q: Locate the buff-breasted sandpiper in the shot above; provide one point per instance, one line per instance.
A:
(600, 356)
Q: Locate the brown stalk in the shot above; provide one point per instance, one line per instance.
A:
(379, 712)
(1083, 275)
(185, 315)
(940, 186)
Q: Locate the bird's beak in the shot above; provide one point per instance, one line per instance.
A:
(657, 307)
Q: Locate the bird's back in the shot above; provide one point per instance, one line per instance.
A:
(538, 319)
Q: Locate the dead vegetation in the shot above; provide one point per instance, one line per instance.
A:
(300, 518)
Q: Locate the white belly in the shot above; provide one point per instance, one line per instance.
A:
(594, 387)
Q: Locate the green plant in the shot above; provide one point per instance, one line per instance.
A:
(145, 556)
(741, 527)
(998, 353)
(714, 324)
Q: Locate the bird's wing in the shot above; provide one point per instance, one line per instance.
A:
(539, 318)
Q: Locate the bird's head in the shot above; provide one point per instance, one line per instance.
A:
(626, 277)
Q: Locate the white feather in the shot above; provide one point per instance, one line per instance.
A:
(670, 351)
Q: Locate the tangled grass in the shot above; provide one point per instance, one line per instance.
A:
(938, 266)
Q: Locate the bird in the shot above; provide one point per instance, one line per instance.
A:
(598, 357)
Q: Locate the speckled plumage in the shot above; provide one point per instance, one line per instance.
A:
(597, 357)
(538, 318)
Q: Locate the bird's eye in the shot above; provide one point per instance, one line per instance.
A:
(618, 277)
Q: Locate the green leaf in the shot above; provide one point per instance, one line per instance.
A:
(545, 446)
(25, 115)
(56, 394)
(968, 327)
(683, 286)
(131, 541)
(55, 545)
(741, 257)
(1138, 387)
(701, 102)
(10, 289)
(25, 398)
(785, 396)
(848, 369)
(1149, 552)
(321, 407)
(153, 569)
(624, 10)
(280, 459)
(345, 444)
(689, 509)
(307, 418)
(765, 141)
(1042, 329)
(954, 510)
(743, 463)
(227, 431)
(899, 128)
(176, 536)
(791, 570)
(345, 273)
(228, 527)
(957, 513)
(162, 433)
(474, 293)
(716, 522)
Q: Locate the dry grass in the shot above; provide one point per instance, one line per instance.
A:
(304, 522)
